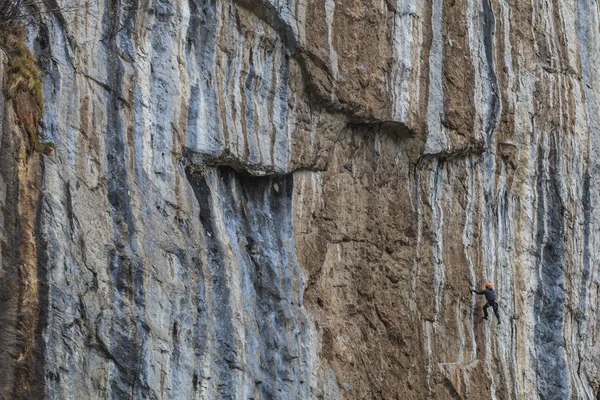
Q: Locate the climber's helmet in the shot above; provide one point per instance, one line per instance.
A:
(488, 285)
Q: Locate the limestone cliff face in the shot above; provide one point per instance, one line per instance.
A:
(291, 199)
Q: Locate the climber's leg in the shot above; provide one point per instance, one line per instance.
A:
(495, 307)
(485, 313)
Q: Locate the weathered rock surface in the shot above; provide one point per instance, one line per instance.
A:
(291, 200)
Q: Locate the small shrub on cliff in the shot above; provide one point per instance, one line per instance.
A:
(11, 12)
(23, 84)
(22, 74)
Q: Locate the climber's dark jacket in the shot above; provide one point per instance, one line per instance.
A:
(490, 295)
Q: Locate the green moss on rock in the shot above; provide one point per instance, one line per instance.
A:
(22, 76)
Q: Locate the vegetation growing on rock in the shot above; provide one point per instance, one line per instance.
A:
(23, 84)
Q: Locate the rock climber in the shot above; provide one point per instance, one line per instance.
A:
(490, 296)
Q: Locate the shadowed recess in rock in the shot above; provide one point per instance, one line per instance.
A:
(252, 267)
(552, 373)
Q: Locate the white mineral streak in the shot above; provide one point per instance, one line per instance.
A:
(329, 11)
(436, 139)
(436, 198)
(473, 12)
(407, 37)
(429, 353)
(416, 269)
(467, 243)
(587, 23)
